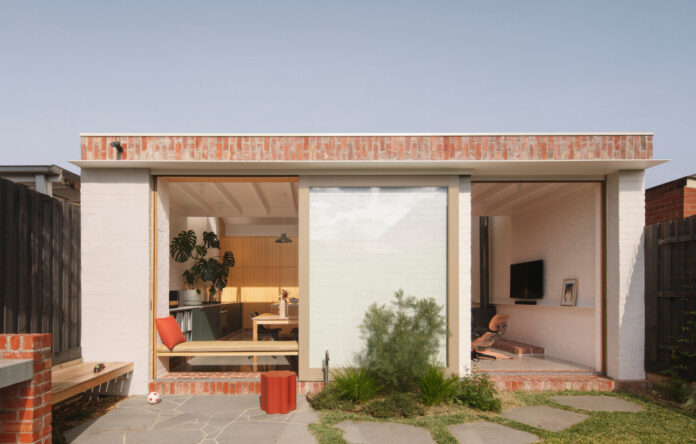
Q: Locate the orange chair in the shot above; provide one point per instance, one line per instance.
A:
(486, 338)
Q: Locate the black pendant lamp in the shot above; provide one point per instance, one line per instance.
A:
(283, 239)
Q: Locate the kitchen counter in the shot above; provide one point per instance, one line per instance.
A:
(190, 307)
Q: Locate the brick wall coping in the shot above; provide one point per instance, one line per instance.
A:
(368, 147)
(13, 371)
(587, 133)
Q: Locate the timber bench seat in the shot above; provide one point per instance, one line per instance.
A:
(75, 377)
(231, 348)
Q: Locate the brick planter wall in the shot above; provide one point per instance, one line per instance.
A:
(218, 383)
(25, 407)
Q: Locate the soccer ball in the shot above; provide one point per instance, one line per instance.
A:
(153, 398)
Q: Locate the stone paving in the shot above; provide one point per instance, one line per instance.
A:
(237, 419)
(197, 419)
(483, 432)
(598, 403)
(544, 417)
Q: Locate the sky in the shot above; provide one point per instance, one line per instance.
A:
(345, 66)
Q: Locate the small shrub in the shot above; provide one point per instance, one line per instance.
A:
(477, 392)
(436, 387)
(690, 404)
(402, 341)
(395, 405)
(673, 388)
(329, 399)
(355, 384)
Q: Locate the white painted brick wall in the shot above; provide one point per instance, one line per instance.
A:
(465, 276)
(625, 275)
(363, 247)
(115, 206)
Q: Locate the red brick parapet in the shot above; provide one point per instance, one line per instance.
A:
(370, 147)
(25, 407)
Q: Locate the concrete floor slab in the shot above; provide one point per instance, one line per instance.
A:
(598, 403)
(544, 417)
(490, 433)
(383, 432)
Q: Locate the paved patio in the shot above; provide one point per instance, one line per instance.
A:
(238, 419)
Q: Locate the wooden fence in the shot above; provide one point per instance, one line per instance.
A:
(40, 268)
(670, 287)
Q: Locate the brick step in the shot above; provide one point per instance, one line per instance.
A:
(518, 348)
(544, 382)
(218, 383)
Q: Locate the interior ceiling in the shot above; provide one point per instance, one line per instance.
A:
(253, 201)
(507, 198)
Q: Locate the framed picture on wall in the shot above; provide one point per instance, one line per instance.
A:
(570, 292)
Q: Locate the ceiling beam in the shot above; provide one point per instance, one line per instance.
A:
(261, 198)
(197, 199)
(477, 198)
(293, 193)
(228, 197)
(518, 197)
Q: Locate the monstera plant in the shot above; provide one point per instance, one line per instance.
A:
(205, 269)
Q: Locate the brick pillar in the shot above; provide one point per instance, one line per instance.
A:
(25, 407)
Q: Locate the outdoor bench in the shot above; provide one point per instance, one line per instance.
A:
(75, 377)
(231, 348)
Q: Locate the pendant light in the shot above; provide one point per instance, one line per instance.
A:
(283, 239)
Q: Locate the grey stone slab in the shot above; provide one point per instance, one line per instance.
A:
(383, 432)
(101, 438)
(304, 416)
(184, 421)
(544, 417)
(140, 402)
(598, 403)
(265, 433)
(164, 437)
(218, 403)
(490, 433)
(122, 421)
(74, 433)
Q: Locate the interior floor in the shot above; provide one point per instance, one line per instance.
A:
(529, 364)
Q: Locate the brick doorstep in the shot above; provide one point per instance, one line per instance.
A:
(217, 383)
(548, 382)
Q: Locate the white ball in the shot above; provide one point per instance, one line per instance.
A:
(153, 398)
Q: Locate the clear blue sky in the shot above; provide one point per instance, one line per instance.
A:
(354, 66)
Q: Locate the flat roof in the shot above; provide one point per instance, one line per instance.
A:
(425, 134)
(478, 168)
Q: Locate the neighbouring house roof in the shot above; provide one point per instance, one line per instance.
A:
(47, 179)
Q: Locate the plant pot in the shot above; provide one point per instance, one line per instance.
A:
(192, 297)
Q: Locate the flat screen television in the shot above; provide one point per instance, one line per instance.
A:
(527, 280)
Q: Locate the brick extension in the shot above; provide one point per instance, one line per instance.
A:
(370, 147)
(25, 407)
(671, 200)
(218, 383)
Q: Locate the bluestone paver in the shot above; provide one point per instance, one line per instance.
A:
(598, 403)
(483, 432)
(544, 417)
(197, 419)
(383, 432)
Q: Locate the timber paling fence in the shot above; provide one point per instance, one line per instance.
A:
(40, 268)
(670, 288)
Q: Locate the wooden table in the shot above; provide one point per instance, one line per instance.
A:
(270, 319)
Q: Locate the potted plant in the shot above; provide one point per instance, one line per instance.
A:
(205, 269)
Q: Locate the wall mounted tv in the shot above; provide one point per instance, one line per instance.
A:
(527, 280)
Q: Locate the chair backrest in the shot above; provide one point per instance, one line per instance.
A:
(485, 340)
(499, 323)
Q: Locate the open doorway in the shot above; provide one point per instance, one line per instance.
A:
(553, 229)
(255, 219)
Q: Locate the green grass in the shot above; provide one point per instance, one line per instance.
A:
(656, 424)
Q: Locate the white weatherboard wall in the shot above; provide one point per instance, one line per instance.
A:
(115, 208)
(625, 275)
(364, 244)
(566, 234)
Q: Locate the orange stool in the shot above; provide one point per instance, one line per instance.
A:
(278, 391)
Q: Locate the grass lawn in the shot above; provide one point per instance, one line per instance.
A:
(657, 423)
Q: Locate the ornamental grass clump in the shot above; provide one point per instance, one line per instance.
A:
(355, 384)
(401, 341)
(436, 387)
